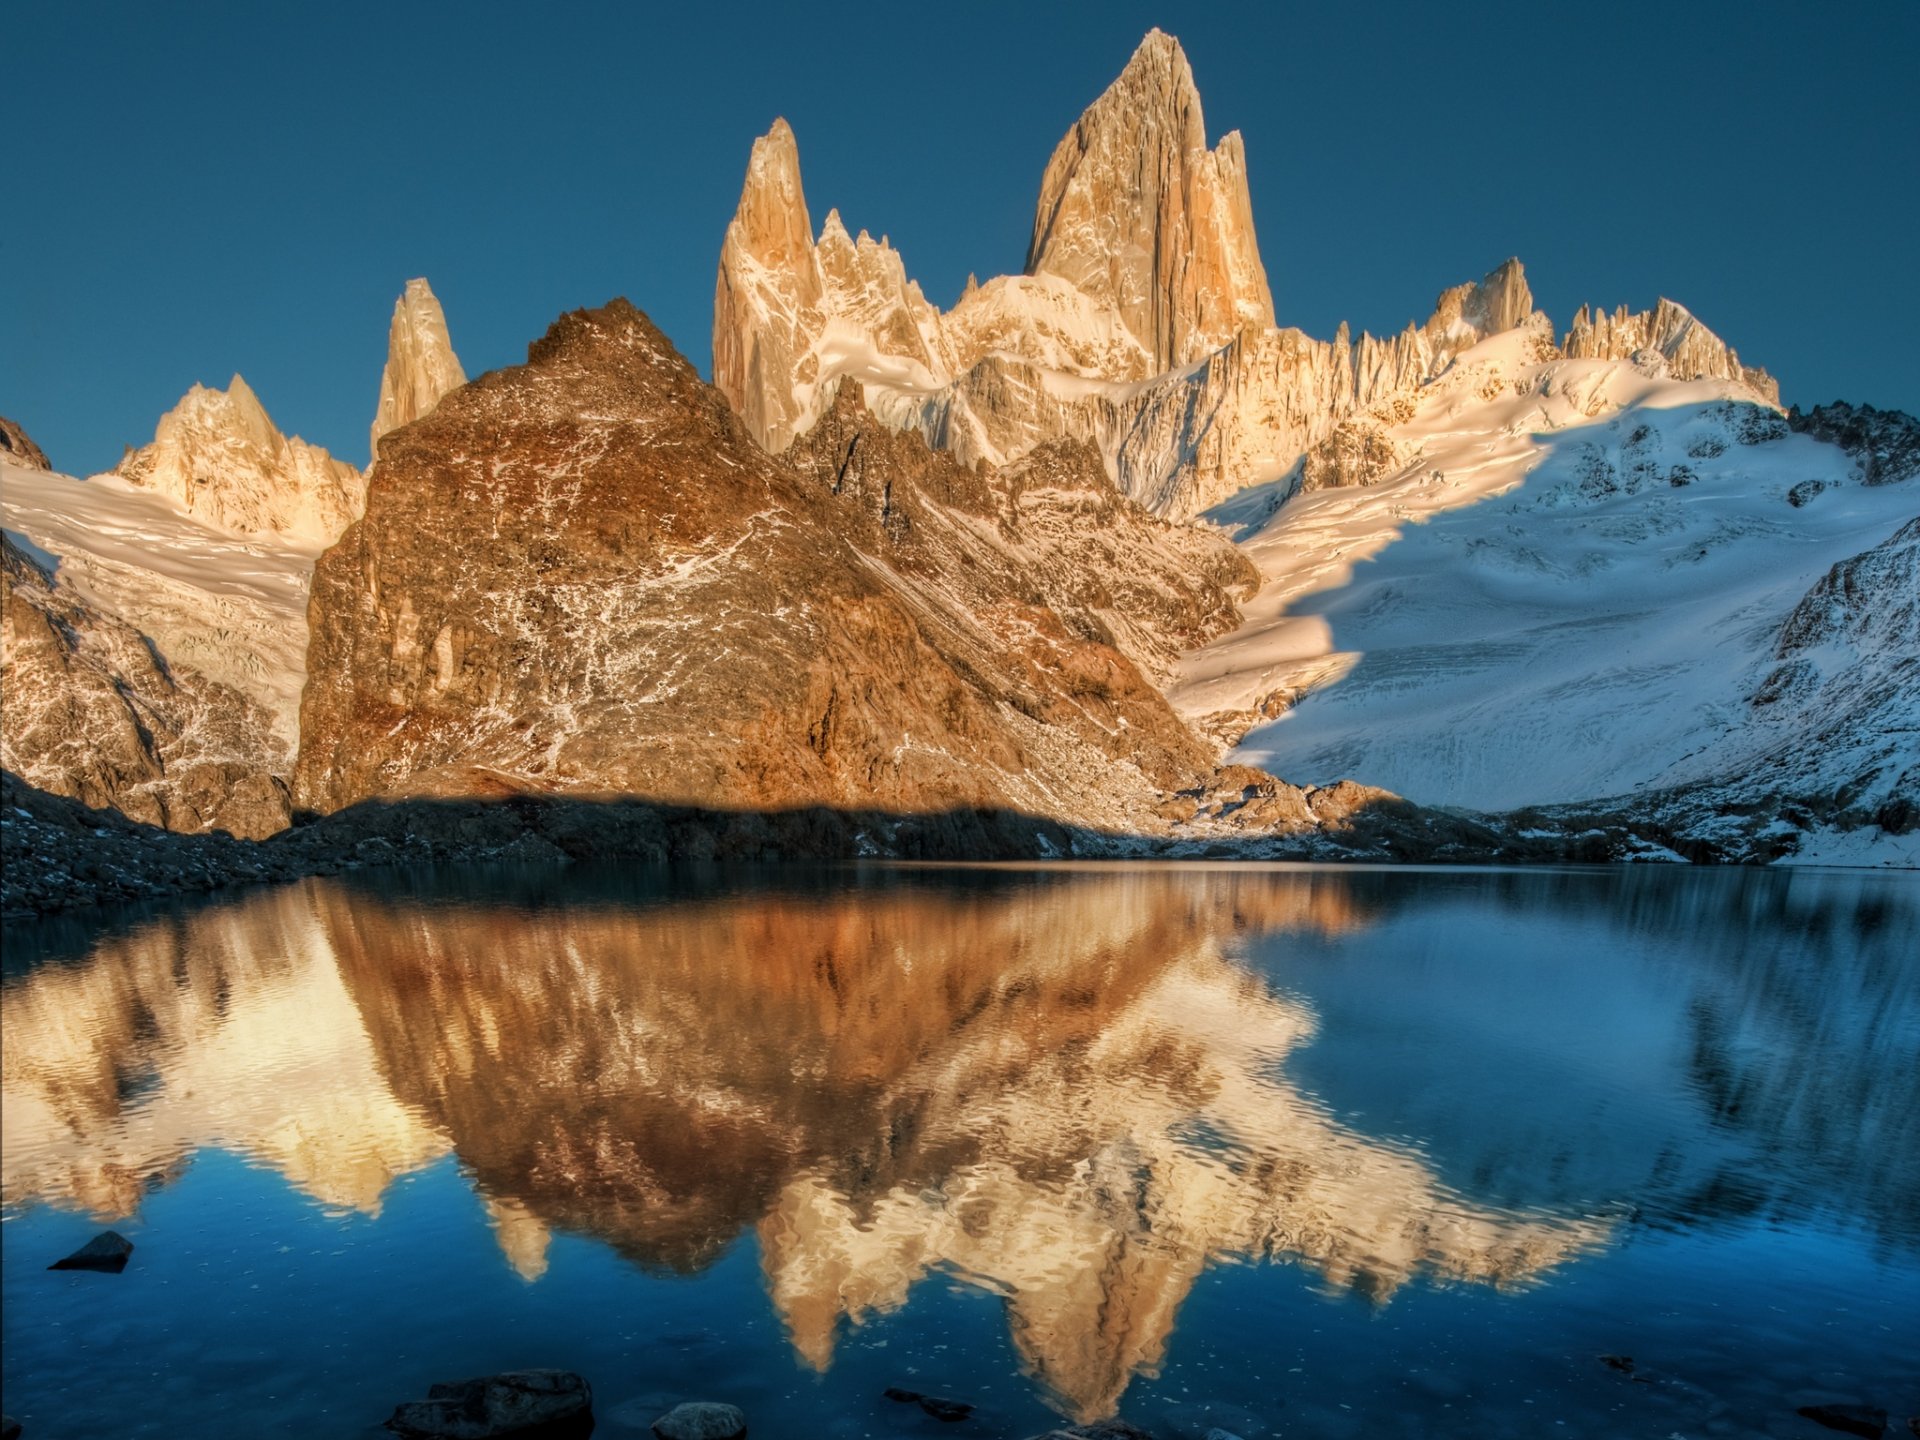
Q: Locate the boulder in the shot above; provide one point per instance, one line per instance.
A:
(528, 1403)
(107, 1251)
(702, 1420)
(937, 1406)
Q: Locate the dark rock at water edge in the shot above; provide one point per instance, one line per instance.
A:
(1864, 1420)
(1207, 1419)
(702, 1420)
(9, 1428)
(937, 1406)
(1114, 1429)
(548, 1404)
(106, 1252)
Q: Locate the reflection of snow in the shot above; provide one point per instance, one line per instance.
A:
(1192, 1150)
(1062, 1090)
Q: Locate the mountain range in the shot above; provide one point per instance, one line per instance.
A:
(1103, 552)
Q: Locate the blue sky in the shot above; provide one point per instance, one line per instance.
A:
(195, 190)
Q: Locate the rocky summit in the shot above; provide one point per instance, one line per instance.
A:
(421, 365)
(218, 457)
(584, 574)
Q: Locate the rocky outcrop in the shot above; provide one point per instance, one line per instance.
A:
(1884, 444)
(1137, 212)
(217, 457)
(1667, 339)
(583, 574)
(1843, 690)
(1061, 536)
(16, 445)
(90, 709)
(421, 365)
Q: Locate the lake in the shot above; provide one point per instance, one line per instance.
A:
(1287, 1150)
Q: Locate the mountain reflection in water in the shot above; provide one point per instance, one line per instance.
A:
(1068, 1087)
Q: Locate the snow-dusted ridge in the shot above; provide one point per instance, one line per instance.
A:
(1575, 589)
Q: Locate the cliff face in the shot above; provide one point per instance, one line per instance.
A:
(1136, 211)
(583, 573)
(218, 457)
(421, 365)
(88, 708)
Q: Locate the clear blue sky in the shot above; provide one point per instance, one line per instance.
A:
(192, 190)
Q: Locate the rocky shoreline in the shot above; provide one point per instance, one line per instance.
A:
(61, 856)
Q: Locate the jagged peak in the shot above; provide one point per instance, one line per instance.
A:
(1135, 211)
(1160, 60)
(421, 363)
(1498, 301)
(1686, 347)
(771, 222)
(218, 456)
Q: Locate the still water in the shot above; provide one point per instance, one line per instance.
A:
(1288, 1150)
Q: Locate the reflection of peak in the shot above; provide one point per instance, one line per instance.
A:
(1088, 1202)
(523, 1236)
(239, 1018)
(1022, 1103)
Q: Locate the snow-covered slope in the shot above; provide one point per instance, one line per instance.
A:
(1574, 586)
(89, 709)
(233, 608)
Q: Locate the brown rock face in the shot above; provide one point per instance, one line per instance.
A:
(16, 445)
(88, 709)
(583, 573)
(1134, 208)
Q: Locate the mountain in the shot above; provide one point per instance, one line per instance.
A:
(217, 457)
(1143, 325)
(199, 546)
(974, 567)
(88, 708)
(583, 573)
(421, 365)
(1588, 582)
(1136, 212)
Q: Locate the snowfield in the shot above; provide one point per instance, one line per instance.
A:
(234, 609)
(1573, 590)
